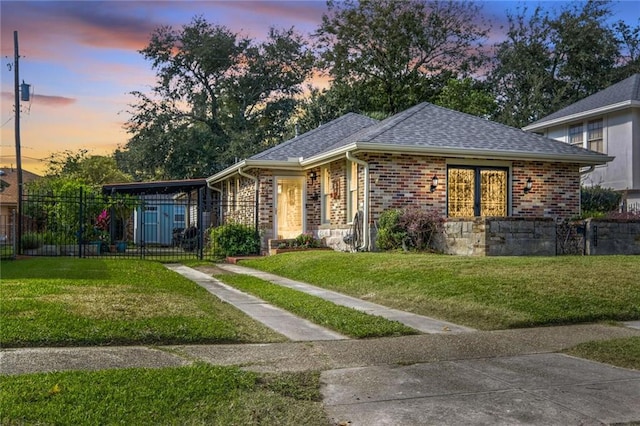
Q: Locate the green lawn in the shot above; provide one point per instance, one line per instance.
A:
(78, 302)
(347, 321)
(199, 394)
(480, 292)
(621, 352)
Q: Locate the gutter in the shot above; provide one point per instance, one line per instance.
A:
(585, 160)
(365, 208)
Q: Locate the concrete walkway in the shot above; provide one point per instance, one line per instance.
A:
(417, 322)
(285, 323)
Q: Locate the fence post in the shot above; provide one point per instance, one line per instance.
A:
(14, 234)
(200, 223)
(80, 231)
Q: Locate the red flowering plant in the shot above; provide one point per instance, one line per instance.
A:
(102, 226)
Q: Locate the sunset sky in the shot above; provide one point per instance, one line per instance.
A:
(82, 60)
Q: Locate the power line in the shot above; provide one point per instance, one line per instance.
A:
(8, 120)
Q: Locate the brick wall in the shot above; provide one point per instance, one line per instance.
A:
(400, 181)
(555, 191)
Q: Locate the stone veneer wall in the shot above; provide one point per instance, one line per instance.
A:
(499, 237)
(612, 236)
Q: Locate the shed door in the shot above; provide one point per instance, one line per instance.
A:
(289, 211)
(151, 227)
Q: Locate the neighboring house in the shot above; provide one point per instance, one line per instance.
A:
(9, 197)
(607, 122)
(163, 207)
(427, 157)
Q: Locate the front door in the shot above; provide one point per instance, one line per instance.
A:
(289, 211)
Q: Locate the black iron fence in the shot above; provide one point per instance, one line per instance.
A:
(158, 226)
(8, 229)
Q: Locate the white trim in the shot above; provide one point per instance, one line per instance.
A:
(326, 157)
(582, 115)
(365, 207)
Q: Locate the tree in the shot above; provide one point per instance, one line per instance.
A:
(219, 97)
(550, 61)
(467, 95)
(522, 79)
(585, 48)
(92, 170)
(629, 40)
(393, 54)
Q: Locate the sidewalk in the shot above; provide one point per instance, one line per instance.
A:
(509, 377)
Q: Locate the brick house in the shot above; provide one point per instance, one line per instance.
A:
(463, 167)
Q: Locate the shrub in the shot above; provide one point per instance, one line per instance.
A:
(390, 233)
(408, 229)
(596, 201)
(31, 240)
(421, 226)
(306, 240)
(234, 239)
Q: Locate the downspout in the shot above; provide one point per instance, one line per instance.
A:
(589, 170)
(257, 192)
(365, 206)
(219, 191)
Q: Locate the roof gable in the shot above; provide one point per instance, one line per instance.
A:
(627, 90)
(317, 140)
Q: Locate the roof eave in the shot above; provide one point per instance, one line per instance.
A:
(585, 114)
(588, 159)
(256, 164)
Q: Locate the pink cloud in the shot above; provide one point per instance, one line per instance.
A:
(46, 100)
(49, 100)
(309, 12)
(43, 25)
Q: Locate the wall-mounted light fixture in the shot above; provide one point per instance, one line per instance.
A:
(313, 176)
(528, 185)
(434, 183)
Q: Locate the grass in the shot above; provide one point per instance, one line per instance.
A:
(199, 394)
(620, 352)
(79, 302)
(484, 293)
(344, 320)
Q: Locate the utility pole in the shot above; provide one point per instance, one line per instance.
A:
(16, 69)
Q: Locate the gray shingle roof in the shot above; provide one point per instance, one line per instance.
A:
(625, 90)
(424, 129)
(316, 141)
(427, 126)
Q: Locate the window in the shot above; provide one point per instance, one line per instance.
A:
(326, 195)
(476, 191)
(352, 182)
(594, 136)
(575, 135)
